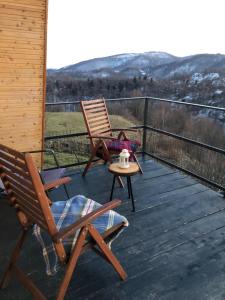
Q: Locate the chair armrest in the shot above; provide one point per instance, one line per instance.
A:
(64, 233)
(56, 183)
(125, 129)
(40, 151)
(122, 132)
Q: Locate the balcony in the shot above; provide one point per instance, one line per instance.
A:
(174, 246)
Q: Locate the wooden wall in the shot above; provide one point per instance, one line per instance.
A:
(22, 72)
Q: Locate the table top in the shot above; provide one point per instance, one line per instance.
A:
(116, 170)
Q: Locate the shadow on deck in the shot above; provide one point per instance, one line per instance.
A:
(173, 248)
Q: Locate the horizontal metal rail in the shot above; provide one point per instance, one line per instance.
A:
(108, 100)
(180, 102)
(69, 135)
(180, 137)
(61, 136)
(187, 103)
(61, 103)
(73, 164)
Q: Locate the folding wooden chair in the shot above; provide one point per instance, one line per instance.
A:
(26, 194)
(103, 143)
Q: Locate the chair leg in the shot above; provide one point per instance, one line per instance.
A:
(136, 160)
(28, 284)
(107, 252)
(72, 263)
(15, 254)
(88, 165)
(128, 187)
(20, 275)
(111, 194)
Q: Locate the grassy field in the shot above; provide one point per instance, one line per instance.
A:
(67, 122)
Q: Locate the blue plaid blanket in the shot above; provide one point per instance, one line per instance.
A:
(66, 213)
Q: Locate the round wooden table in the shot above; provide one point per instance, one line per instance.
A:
(128, 172)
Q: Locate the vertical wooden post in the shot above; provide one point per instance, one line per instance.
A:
(145, 117)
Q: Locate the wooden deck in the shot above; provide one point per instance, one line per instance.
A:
(173, 248)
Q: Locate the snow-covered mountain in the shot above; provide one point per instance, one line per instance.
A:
(152, 64)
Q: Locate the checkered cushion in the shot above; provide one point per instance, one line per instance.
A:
(119, 145)
(67, 212)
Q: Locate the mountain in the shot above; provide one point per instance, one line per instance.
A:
(159, 65)
(200, 63)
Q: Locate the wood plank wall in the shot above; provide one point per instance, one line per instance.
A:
(23, 26)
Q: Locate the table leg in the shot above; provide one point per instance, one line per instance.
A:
(113, 184)
(131, 192)
(128, 187)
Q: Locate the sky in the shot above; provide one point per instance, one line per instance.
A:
(79, 30)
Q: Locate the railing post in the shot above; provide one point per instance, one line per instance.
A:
(145, 124)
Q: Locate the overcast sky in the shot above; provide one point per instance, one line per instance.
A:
(83, 29)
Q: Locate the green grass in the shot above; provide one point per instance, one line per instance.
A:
(68, 122)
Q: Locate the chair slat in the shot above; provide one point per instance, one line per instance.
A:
(96, 110)
(89, 102)
(34, 215)
(33, 219)
(19, 179)
(100, 129)
(14, 169)
(96, 115)
(94, 106)
(20, 187)
(99, 122)
(16, 154)
(12, 160)
(101, 133)
(13, 186)
(97, 128)
(33, 210)
(98, 119)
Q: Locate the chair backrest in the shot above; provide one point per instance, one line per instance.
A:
(26, 192)
(96, 118)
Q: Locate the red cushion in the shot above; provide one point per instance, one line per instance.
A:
(119, 145)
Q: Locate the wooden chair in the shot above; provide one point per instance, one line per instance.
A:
(103, 143)
(26, 194)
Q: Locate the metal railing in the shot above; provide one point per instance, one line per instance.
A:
(147, 128)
